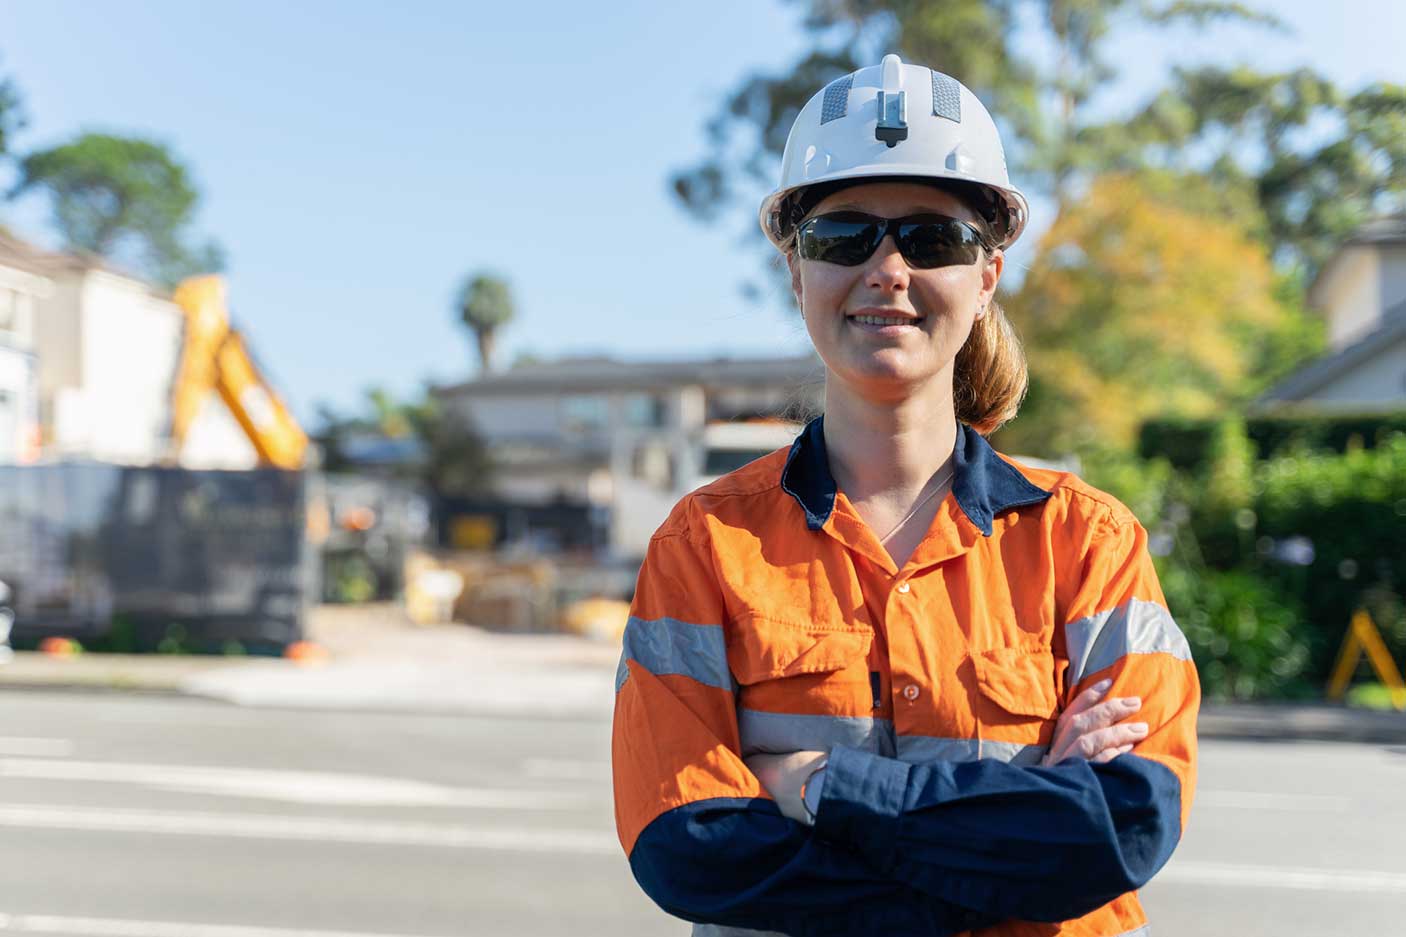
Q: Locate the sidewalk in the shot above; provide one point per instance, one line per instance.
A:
(379, 660)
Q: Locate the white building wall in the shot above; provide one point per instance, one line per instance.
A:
(1352, 301)
(505, 417)
(19, 406)
(1393, 275)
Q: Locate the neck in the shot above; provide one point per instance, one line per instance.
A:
(888, 449)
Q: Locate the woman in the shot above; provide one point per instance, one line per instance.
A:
(881, 682)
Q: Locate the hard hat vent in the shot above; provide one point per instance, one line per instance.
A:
(946, 97)
(836, 103)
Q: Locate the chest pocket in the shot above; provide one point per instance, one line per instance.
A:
(1015, 705)
(801, 688)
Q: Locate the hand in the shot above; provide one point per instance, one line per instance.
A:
(783, 775)
(1088, 729)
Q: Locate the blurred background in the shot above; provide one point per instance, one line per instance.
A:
(350, 355)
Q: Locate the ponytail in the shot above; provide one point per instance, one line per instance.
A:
(989, 376)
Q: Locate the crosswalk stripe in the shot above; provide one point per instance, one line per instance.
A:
(306, 829)
(112, 927)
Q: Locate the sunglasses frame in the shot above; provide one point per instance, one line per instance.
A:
(885, 227)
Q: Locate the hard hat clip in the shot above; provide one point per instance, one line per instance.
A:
(893, 118)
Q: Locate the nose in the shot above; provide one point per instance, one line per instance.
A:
(887, 270)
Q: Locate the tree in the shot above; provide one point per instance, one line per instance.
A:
(1319, 161)
(125, 199)
(1042, 110)
(1145, 300)
(450, 458)
(12, 116)
(485, 305)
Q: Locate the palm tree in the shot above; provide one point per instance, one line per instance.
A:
(485, 305)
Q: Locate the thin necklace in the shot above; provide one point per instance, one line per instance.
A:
(916, 508)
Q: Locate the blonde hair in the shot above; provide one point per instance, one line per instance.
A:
(990, 375)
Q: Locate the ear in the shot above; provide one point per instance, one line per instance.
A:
(990, 277)
(795, 267)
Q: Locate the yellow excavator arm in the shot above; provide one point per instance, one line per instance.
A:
(214, 357)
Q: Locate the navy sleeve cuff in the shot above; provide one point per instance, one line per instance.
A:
(861, 803)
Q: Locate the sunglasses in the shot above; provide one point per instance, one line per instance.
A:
(849, 238)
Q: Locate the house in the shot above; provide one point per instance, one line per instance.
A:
(88, 354)
(1361, 292)
(628, 439)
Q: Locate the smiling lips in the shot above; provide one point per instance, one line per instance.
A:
(885, 317)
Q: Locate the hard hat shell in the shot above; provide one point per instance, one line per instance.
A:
(894, 120)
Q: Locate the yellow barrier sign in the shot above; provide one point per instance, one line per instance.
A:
(1362, 635)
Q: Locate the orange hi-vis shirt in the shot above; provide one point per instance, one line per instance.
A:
(768, 618)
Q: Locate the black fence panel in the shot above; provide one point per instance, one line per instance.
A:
(134, 559)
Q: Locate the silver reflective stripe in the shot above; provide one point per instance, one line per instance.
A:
(836, 102)
(946, 97)
(1135, 627)
(780, 733)
(920, 748)
(670, 646)
(716, 930)
(1143, 931)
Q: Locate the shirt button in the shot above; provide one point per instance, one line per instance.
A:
(911, 691)
(904, 587)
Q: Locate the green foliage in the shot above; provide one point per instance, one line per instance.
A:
(1247, 637)
(1263, 562)
(1321, 161)
(1186, 443)
(1040, 106)
(451, 458)
(1352, 507)
(485, 305)
(1138, 305)
(125, 199)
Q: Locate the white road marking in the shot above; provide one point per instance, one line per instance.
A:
(34, 746)
(303, 787)
(1260, 800)
(1228, 875)
(561, 768)
(305, 829)
(111, 927)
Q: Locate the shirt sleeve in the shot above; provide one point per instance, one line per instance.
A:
(1052, 843)
(705, 841)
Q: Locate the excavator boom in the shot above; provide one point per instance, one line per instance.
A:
(215, 357)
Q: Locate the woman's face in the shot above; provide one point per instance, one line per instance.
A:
(937, 306)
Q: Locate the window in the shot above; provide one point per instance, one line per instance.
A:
(584, 412)
(644, 411)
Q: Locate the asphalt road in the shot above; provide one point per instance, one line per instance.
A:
(132, 816)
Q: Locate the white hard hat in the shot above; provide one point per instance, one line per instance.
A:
(894, 120)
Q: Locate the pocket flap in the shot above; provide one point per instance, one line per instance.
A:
(1019, 681)
(764, 650)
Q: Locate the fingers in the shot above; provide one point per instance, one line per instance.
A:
(1092, 744)
(1108, 754)
(1089, 697)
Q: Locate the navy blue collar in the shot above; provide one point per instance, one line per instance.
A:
(983, 482)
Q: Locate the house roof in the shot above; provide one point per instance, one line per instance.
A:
(22, 255)
(609, 374)
(1324, 370)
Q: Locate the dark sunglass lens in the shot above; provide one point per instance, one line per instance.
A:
(837, 240)
(939, 243)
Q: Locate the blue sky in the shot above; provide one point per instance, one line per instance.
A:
(359, 159)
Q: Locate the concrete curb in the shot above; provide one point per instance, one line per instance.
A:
(1300, 722)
